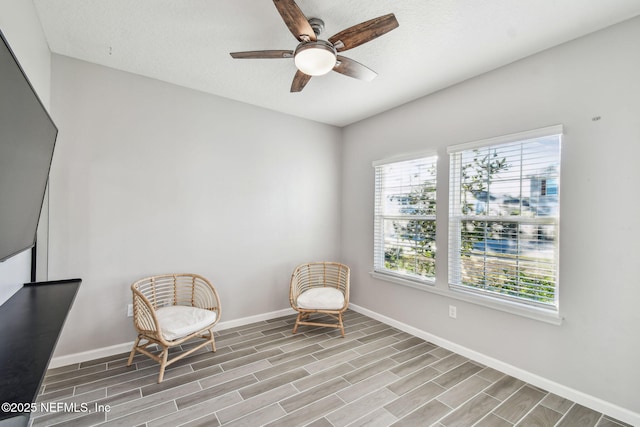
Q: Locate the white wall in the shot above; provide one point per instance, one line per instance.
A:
(595, 350)
(152, 178)
(21, 27)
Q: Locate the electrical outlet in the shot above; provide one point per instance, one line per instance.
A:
(453, 312)
(130, 310)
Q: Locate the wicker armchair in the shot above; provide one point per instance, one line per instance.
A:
(320, 287)
(171, 309)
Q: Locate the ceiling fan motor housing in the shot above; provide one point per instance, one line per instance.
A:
(317, 25)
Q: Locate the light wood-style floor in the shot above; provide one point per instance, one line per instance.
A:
(261, 374)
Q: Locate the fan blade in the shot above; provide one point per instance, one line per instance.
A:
(259, 54)
(300, 80)
(363, 32)
(354, 69)
(295, 20)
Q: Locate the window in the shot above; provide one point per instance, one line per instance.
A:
(405, 217)
(503, 217)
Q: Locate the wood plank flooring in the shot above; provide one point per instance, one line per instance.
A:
(262, 375)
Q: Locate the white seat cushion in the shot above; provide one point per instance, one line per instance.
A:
(321, 299)
(178, 321)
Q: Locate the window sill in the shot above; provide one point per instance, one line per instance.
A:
(540, 314)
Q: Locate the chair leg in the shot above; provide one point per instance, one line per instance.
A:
(341, 324)
(163, 363)
(133, 352)
(304, 317)
(298, 319)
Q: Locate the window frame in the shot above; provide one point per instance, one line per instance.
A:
(379, 269)
(456, 219)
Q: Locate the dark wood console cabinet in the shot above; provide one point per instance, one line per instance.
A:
(31, 321)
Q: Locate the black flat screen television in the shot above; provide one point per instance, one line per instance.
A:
(27, 140)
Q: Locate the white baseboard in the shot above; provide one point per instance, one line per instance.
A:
(579, 397)
(252, 319)
(84, 356)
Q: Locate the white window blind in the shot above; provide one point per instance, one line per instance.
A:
(504, 217)
(405, 217)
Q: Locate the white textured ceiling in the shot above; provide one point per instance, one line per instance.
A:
(438, 43)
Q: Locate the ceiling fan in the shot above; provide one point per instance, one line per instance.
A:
(315, 57)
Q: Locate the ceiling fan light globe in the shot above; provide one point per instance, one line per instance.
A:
(315, 58)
